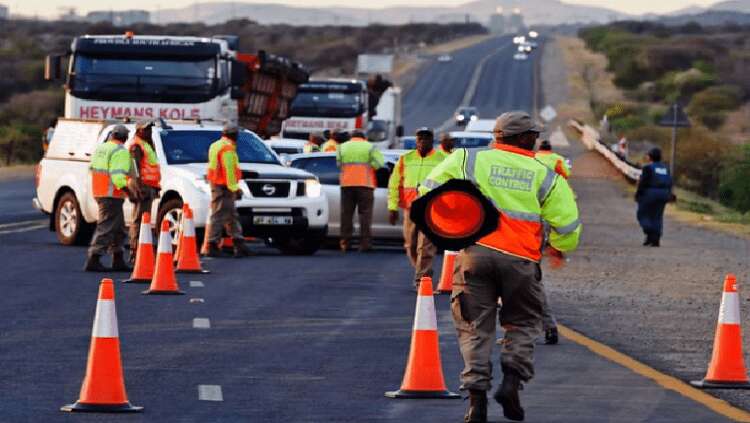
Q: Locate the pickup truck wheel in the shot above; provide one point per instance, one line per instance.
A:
(70, 227)
(172, 211)
(299, 246)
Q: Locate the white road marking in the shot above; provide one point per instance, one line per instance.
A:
(197, 301)
(201, 323)
(26, 229)
(196, 284)
(24, 223)
(210, 393)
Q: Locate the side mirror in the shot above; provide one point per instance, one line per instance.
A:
(400, 131)
(53, 67)
(238, 78)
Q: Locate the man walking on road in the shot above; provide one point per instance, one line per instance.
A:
(552, 160)
(410, 172)
(358, 160)
(109, 167)
(505, 263)
(144, 181)
(653, 193)
(223, 175)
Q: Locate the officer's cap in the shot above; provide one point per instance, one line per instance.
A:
(230, 129)
(545, 146)
(120, 132)
(425, 132)
(516, 122)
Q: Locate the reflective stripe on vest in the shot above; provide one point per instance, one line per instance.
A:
(101, 172)
(148, 168)
(217, 175)
(520, 232)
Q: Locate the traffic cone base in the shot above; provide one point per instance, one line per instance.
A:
(157, 292)
(706, 384)
(407, 394)
(193, 271)
(101, 408)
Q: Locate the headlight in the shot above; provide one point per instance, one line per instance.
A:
(312, 188)
(474, 117)
(460, 117)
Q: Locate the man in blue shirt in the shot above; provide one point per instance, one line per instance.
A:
(653, 193)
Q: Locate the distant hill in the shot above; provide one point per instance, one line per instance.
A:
(535, 12)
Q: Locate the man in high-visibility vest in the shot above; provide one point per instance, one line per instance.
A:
(109, 169)
(224, 174)
(337, 138)
(505, 263)
(410, 171)
(145, 179)
(552, 160)
(313, 143)
(447, 143)
(358, 160)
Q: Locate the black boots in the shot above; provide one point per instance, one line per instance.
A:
(652, 240)
(477, 412)
(213, 250)
(507, 395)
(118, 263)
(240, 250)
(550, 336)
(94, 264)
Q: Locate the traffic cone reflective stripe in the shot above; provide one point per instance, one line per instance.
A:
(188, 261)
(103, 388)
(727, 366)
(446, 275)
(164, 281)
(423, 377)
(144, 257)
(179, 234)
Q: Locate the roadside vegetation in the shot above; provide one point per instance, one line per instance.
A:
(28, 103)
(648, 67)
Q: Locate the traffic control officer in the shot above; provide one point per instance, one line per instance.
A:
(109, 169)
(653, 193)
(358, 160)
(505, 263)
(410, 171)
(145, 179)
(224, 174)
(313, 143)
(552, 160)
(447, 143)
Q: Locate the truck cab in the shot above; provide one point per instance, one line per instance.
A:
(284, 206)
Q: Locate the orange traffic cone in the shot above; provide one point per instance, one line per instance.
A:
(188, 261)
(227, 243)
(446, 275)
(164, 281)
(727, 367)
(144, 256)
(424, 372)
(103, 388)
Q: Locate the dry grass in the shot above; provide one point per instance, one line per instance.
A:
(16, 172)
(737, 126)
(456, 44)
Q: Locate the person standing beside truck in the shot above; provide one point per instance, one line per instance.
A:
(224, 174)
(358, 160)
(313, 143)
(331, 144)
(410, 172)
(109, 169)
(144, 181)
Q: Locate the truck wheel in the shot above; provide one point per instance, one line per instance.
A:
(172, 211)
(299, 246)
(70, 227)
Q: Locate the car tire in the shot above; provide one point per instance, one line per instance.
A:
(299, 246)
(171, 210)
(70, 226)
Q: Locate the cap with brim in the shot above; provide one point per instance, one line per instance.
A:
(424, 131)
(231, 128)
(516, 122)
(120, 132)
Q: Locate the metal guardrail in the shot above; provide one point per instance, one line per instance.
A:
(592, 140)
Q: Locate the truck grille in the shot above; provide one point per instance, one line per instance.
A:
(261, 189)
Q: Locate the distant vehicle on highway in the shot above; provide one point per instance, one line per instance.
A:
(520, 56)
(481, 125)
(282, 205)
(465, 115)
(323, 165)
(462, 139)
(445, 58)
(285, 145)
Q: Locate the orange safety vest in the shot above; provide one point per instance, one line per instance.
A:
(356, 167)
(217, 175)
(102, 171)
(148, 168)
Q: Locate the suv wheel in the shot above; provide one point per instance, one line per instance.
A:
(70, 227)
(172, 211)
(300, 246)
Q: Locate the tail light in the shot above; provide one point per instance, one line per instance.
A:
(358, 122)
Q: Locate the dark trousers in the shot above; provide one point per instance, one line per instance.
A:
(361, 199)
(487, 274)
(110, 227)
(139, 208)
(650, 212)
(224, 215)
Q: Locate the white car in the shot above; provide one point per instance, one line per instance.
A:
(465, 139)
(444, 58)
(520, 56)
(286, 145)
(323, 165)
(282, 205)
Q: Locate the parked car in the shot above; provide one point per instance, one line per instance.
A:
(462, 139)
(285, 145)
(444, 58)
(323, 165)
(282, 205)
(464, 115)
(520, 56)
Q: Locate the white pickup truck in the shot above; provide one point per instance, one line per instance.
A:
(285, 206)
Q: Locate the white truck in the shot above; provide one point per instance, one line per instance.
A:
(385, 128)
(284, 206)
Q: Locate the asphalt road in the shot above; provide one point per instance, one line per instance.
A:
(15, 200)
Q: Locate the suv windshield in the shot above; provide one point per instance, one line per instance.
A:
(144, 79)
(330, 104)
(183, 147)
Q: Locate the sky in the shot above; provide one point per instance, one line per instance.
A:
(50, 8)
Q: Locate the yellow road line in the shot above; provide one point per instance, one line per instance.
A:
(719, 406)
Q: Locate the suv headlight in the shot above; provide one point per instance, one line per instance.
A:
(312, 188)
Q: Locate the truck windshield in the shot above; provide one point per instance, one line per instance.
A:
(327, 104)
(144, 79)
(182, 147)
